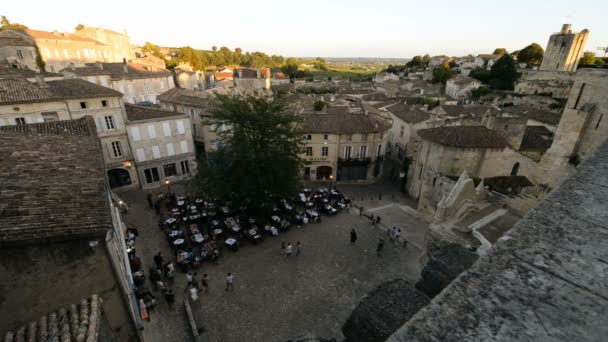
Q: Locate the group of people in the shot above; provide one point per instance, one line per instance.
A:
(288, 249)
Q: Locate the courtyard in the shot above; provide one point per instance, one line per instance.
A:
(275, 297)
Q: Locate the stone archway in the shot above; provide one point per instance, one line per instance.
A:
(118, 178)
(323, 172)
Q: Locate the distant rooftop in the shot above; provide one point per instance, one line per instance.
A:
(545, 280)
(537, 114)
(117, 71)
(464, 137)
(408, 113)
(138, 113)
(342, 123)
(16, 90)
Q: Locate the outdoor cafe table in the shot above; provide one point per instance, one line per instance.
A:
(217, 231)
(170, 220)
(198, 238)
(174, 233)
(231, 243)
(178, 242)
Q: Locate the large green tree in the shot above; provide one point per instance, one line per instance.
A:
(442, 74)
(504, 73)
(152, 49)
(531, 54)
(500, 51)
(588, 58)
(5, 24)
(290, 68)
(258, 160)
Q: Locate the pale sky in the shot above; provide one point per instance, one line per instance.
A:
(329, 28)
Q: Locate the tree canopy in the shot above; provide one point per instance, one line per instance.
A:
(153, 50)
(500, 51)
(258, 159)
(442, 74)
(5, 24)
(588, 58)
(290, 68)
(504, 73)
(531, 54)
(79, 27)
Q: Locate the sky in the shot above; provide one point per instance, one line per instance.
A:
(329, 28)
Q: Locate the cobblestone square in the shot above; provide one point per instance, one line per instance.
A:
(276, 297)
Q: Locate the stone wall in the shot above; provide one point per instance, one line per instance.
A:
(556, 84)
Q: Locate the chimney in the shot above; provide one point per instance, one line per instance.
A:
(40, 80)
(125, 69)
(566, 28)
(100, 65)
(72, 67)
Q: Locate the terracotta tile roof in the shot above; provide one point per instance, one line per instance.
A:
(409, 114)
(136, 113)
(78, 322)
(342, 123)
(54, 183)
(19, 90)
(536, 139)
(37, 34)
(464, 137)
(537, 114)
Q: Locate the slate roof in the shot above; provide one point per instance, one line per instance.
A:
(462, 80)
(117, 72)
(20, 90)
(464, 137)
(408, 113)
(54, 183)
(383, 104)
(537, 114)
(474, 110)
(342, 123)
(137, 113)
(78, 322)
(185, 97)
(536, 139)
(6, 71)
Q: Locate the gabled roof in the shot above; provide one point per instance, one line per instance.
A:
(19, 90)
(54, 183)
(537, 114)
(464, 137)
(186, 97)
(462, 80)
(79, 322)
(409, 114)
(457, 110)
(38, 34)
(342, 123)
(116, 71)
(138, 113)
(536, 139)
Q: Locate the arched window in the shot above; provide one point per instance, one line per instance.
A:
(515, 169)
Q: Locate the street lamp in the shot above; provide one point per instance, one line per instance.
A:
(168, 182)
(331, 177)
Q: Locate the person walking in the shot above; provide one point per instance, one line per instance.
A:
(378, 219)
(288, 250)
(380, 246)
(397, 236)
(298, 248)
(158, 260)
(229, 282)
(189, 279)
(170, 273)
(361, 211)
(353, 236)
(205, 283)
(150, 201)
(392, 232)
(170, 298)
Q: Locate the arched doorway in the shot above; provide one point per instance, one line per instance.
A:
(118, 178)
(323, 172)
(515, 169)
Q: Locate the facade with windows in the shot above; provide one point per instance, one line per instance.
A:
(162, 145)
(59, 100)
(344, 147)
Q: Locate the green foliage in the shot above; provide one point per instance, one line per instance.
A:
(500, 51)
(481, 74)
(79, 27)
(258, 160)
(442, 73)
(428, 102)
(504, 73)
(5, 24)
(319, 105)
(290, 68)
(153, 50)
(588, 58)
(395, 69)
(531, 54)
(417, 61)
(39, 61)
(480, 92)
(320, 64)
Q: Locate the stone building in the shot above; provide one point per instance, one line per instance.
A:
(582, 128)
(564, 50)
(162, 145)
(348, 147)
(461, 87)
(556, 84)
(187, 78)
(17, 50)
(248, 80)
(7, 71)
(59, 50)
(61, 235)
(137, 83)
(23, 102)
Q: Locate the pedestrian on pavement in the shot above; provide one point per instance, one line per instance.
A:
(170, 298)
(157, 207)
(404, 243)
(229, 282)
(153, 278)
(161, 286)
(353, 236)
(392, 233)
(361, 211)
(170, 273)
(158, 260)
(283, 246)
(380, 246)
(288, 250)
(298, 248)
(189, 278)
(378, 219)
(205, 283)
(150, 201)
(373, 219)
(397, 236)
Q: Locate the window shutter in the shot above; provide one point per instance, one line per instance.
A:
(184, 146)
(39, 120)
(99, 122)
(180, 127)
(28, 120)
(1, 122)
(155, 152)
(152, 131)
(141, 154)
(166, 129)
(170, 149)
(110, 151)
(135, 133)
(117, 119)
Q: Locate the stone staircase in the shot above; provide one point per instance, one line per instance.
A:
(520, 204)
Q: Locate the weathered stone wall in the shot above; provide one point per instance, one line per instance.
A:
(555, 83)
(42, 278)
(23, 56)
(564, 50)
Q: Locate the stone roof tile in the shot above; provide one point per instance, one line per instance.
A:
(464, 137)
(342, 123)
(409, 114)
